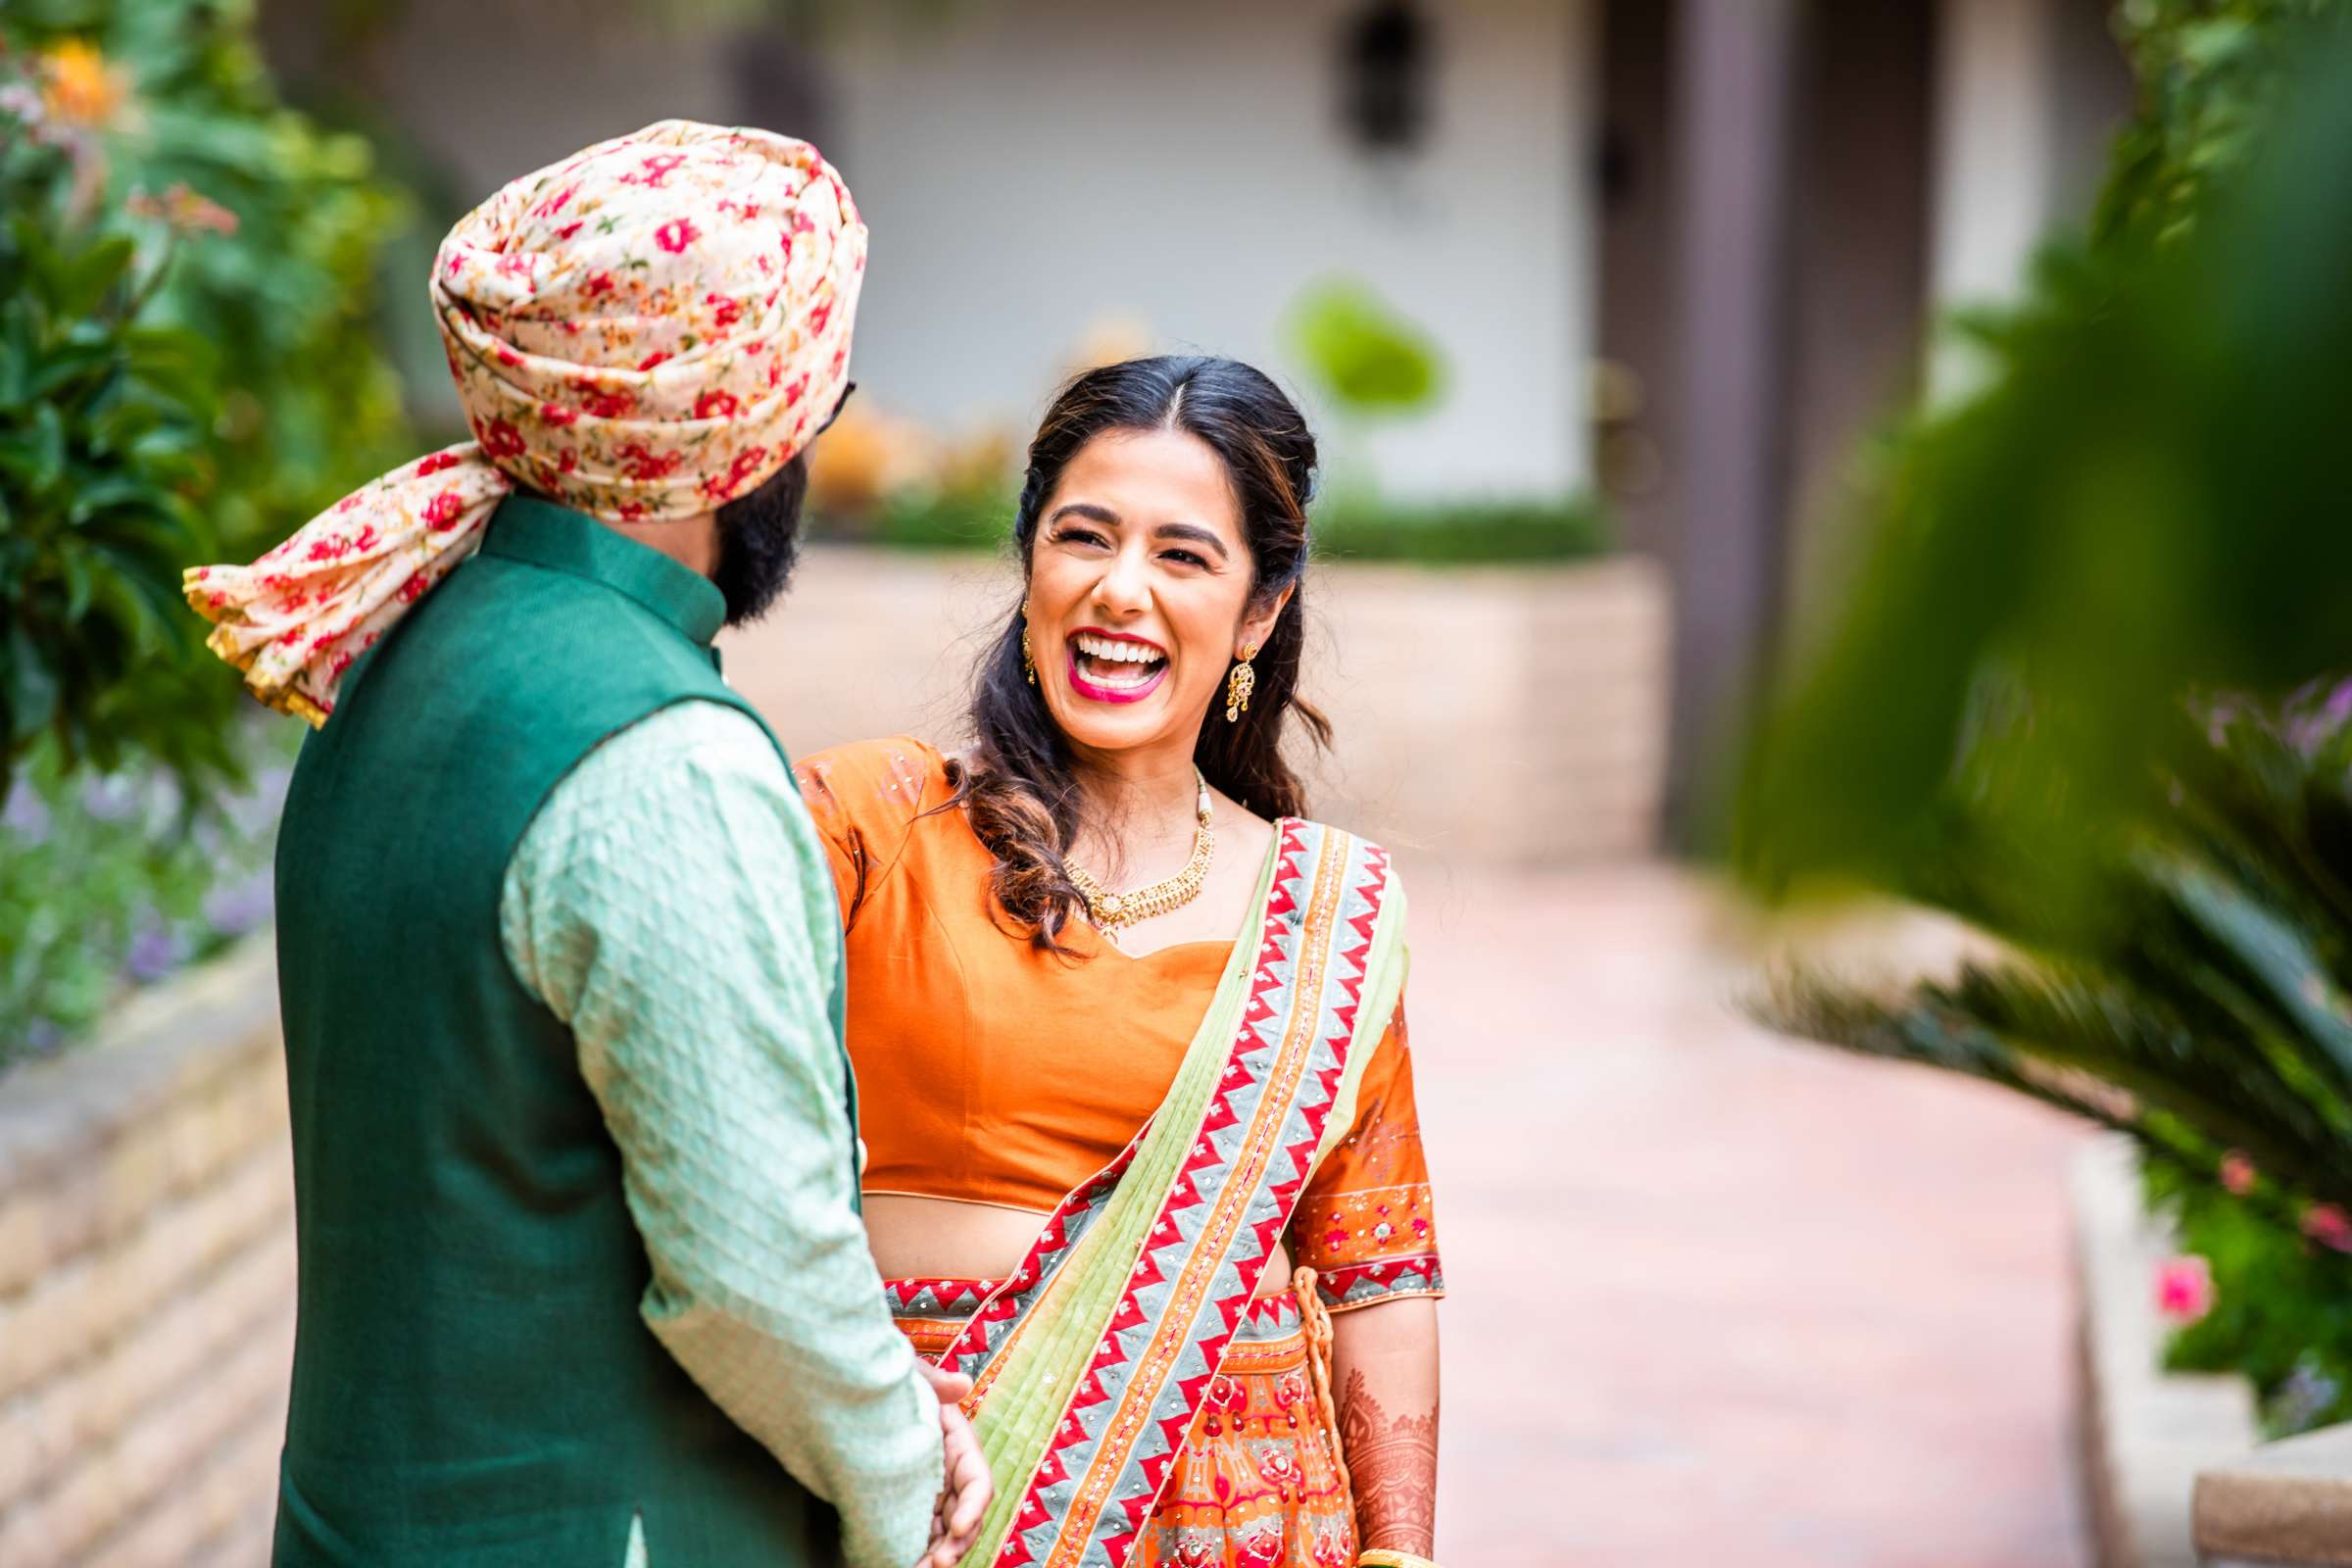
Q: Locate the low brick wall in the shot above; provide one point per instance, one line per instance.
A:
(147, 1284)
(1488, 715)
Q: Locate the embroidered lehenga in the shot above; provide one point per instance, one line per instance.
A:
(1142, 1394)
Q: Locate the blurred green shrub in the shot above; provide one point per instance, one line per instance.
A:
(102, 460)
(2018, 714)
(2282, 1305)
(187, 364)
(187, 371)
(1367, 359)
(308, 406)
(109, 882)
(2144, 499)
(2210, 74)
(1476, 533)
(2200, 999)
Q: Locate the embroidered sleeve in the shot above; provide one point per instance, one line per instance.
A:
(669, 905)
(1364, 1223)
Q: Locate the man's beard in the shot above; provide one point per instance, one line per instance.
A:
(759, 540)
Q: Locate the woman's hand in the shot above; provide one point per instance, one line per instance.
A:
(1384, 1374)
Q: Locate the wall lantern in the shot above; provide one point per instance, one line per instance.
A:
(1387, 62)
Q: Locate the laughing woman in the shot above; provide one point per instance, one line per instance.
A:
(1130, 1031)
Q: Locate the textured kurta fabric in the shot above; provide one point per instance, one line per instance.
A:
(998, 1074)
(670, 904)
(474, 1382)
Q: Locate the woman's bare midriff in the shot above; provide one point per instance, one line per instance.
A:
(943, 1237)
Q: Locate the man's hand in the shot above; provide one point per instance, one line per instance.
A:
(970, 1488)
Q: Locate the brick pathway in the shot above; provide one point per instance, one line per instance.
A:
(1718, 1299)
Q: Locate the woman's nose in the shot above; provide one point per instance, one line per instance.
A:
(1125, 586)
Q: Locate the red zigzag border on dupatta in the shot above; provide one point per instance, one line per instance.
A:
(1114, 1445)
(975, 1351)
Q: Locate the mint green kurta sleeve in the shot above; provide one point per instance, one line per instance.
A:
(670, 904)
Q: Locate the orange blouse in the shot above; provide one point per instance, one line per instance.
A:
(993, 1072)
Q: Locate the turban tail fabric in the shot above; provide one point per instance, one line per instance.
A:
(643, 333)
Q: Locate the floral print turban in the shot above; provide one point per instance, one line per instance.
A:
(642, 331)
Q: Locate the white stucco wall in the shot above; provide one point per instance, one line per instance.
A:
(1997, 148)
(1033, 168)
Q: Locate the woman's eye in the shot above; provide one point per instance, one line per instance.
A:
(1185, 557)
(1077, 536)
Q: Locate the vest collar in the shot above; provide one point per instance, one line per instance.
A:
(532, 528)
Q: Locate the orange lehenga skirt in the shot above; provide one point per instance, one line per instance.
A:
(1260, 1482)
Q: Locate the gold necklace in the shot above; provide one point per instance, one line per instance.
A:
(1112, 910)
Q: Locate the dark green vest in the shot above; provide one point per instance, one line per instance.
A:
(472, 1384)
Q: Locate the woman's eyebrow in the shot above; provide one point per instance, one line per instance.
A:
(1087, 510)
(1193, 533)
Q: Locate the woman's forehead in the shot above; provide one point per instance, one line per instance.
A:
(1151, 477)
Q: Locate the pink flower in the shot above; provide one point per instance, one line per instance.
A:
(441, 513)
(2237, 1173)
(676, 234)
(716, 405)
(557, 413)
(2327, 1224)
(2184, 1289)
(436, 463)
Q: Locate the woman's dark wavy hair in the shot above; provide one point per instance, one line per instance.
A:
(1016, 781)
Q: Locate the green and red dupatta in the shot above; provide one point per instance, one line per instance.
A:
(1088, 1363)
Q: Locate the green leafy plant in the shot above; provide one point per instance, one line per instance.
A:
(1368, 361)
(1459, 533)
(178, 96)
(187, 370)
(112, 882)
(102, 466)
(2140, 502)
(2210, 74)
(187, 364)
(2200, 1001)
(2278, 1310)
(2004, 717)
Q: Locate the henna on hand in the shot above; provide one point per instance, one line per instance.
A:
(1393, 1466)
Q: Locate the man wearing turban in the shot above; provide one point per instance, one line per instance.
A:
(574, 1136)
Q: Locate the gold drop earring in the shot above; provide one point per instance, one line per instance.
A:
(1028, 663)
(1239, 685)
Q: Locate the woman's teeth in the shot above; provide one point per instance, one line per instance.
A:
(1109, 661)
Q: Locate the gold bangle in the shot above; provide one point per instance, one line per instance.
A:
(1382, 1557)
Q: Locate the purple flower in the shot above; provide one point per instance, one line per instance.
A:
(153, 954)
(111, 799)
(236, 907)
(43, 1036)
(25, 815)
(2304, 1398)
